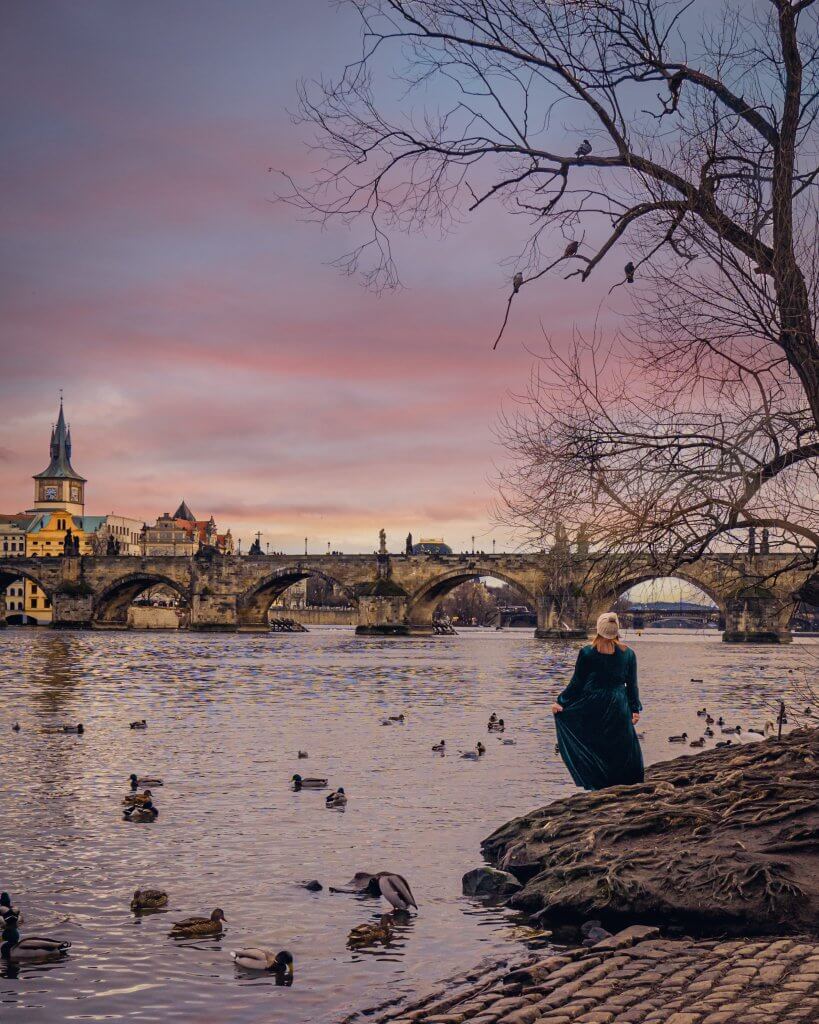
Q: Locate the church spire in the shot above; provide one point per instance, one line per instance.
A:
(60, 467)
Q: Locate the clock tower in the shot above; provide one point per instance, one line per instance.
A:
(60, 487)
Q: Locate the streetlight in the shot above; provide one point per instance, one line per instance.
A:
(493, 545)
(473, 543)
(305, 545)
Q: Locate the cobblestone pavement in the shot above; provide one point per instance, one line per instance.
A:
(635, 977)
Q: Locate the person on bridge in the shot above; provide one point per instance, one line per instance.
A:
(595, 715)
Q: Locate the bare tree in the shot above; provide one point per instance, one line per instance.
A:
(676, 139)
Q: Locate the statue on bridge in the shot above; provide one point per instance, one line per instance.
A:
(409, 543)
(112, 548)
(382, 541)
(68, 543)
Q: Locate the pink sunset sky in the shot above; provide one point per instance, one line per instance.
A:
(206, 349)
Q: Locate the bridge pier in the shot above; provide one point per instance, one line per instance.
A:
(383, 615)
(214, 613)
(559, 619)
(756, 617)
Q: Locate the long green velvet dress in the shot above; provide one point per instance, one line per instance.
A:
(595, 733)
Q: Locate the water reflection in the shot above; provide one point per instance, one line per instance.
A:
(226, 719)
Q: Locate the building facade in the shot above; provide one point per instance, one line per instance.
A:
(183, 534)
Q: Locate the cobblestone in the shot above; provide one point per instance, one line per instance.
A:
(658, 982)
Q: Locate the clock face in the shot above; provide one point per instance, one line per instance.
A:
(50, 493)
(75, 494)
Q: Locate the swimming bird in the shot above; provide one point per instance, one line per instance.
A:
(702, 713)
(397, 718)
(336, 799)
(141, 724)
(697, 743)
(15, 727)
(302, 755)
(33, 947)
(77, 729)
(148, 899)
(583, 149)
(720, 720)
(767, 730)
(440, 747)
(144, 780)
(493, 718)
(709, 720)
(725, 743)
(678, 739)
(369, 934)
(192, 927)
(141, 814)
(137, 799)
(481, 749)
(255, 958)
(731, 730)
(497, 726)
(301, 783)
(7, 910)
(709, 732)
(393, 887)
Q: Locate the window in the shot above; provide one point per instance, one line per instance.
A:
(34, 602)
(34, 588)
(46, 603)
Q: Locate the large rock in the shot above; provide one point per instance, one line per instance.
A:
(489, 882)
(724, 841)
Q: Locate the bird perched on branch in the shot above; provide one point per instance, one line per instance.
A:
(629, 272)
(571, 249)
(517, 281)
(583, 149)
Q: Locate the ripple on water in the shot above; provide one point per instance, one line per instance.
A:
(226, 716)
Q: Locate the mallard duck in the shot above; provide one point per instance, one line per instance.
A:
(720, 720)
(141, 724)
(254, 958)
(301, 783)
(498, 726)
(731, 730)
(34, 947)
(144, 780)
(337, 798)
(398, 718)
(61, 730)
(149, 899)
(303, 755)
(7, 910)
(697, 743)
(370, 934)
(493, 718)
(709, 732)
(393, 887)
(702, 713)
(137, 799)
(678, 739)
(709, 720)
(78, 729)
(144, 813)
(482, 749)
(439, 748)
(192, 927)
(725, 743)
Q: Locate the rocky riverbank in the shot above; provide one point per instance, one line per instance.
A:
(725, 842)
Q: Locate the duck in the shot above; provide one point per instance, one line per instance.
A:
(141, 814)
(336, 799)
(709, 732)
(144, 780)
(148, 899)
(731, 730)
(481, 749)
(493, 718)
(725, 743)
(720, 720)
(439, 748)
(77, 730)
(498, 726)
(696, 679)
(7, 910)
(303, 755)
(137, 799)
(393, 887)
(702, 713)
(709, 720)
(141, 724)
(33, 947)
(15, 727)
(678, 739)
(370, 934)
(61, 730)
(302, 783)
(697, 743)
(767, 730)
(255, 958)
(398, 718)
(192, 927)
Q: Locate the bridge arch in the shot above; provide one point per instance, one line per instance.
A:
(604, 601)
(112, 604)
(422, 604)
(254, 603)
(11, 573)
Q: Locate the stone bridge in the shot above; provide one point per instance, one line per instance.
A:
(398, 594)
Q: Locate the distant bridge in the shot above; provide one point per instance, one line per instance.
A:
(397, 594)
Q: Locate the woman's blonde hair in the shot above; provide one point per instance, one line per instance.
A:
(603, 645)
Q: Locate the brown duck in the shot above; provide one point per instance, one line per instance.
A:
(193, 927)
(149, 899)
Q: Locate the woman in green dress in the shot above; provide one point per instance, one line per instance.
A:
(596, 713)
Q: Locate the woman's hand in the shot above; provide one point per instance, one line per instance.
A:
(556, 708)
(635, 717)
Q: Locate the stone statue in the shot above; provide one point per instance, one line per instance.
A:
(76, 545)
(255, 548)
(382, 542)
(752, 540)
(765, 546)
(409, 543)
(583, 541)
(68, 543)
(111, 549)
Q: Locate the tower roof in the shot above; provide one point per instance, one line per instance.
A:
(60, 451)
(183, 512)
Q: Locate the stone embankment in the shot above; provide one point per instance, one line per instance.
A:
(636, 977)
(723, 842)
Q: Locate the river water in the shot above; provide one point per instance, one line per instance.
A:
(226, 717)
